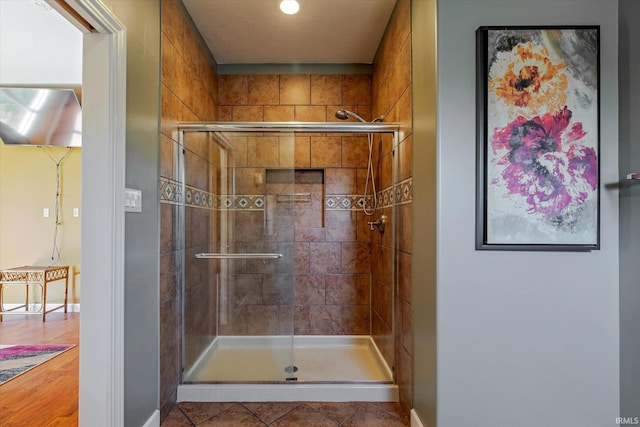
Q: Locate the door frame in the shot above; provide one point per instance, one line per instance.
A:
(101, 397)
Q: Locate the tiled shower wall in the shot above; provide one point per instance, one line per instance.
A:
(189, 93)
(330, 240)
(391, 89)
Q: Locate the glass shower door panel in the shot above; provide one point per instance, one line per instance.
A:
(198, 166)
(252, 260)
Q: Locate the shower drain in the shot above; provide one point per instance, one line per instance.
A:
(291, 369)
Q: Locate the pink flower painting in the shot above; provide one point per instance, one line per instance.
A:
(541, 148)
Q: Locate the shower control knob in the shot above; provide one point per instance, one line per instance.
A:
(379, 223)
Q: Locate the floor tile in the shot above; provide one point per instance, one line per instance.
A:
(288, 414)
(306, 416)
(202, 411)
(236, 416)
(373, 416)
(176, 419)
(337, 411)
(271, 411)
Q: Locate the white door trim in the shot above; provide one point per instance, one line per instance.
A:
(101, 400)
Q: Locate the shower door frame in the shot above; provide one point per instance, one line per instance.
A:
(287, 127)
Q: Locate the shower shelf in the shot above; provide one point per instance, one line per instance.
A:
(293, 197)
(239, 256)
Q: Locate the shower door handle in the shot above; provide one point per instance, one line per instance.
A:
(238, 256)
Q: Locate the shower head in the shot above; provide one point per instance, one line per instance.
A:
(345, 114)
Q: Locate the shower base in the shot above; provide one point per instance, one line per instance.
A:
(252, 369)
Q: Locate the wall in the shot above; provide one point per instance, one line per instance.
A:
(27, 186)
(27, 175)
(142, 230)
(629, 48)
(330, 290)
(391, 294)
(523, 338)
(189, 93)
(425, 161)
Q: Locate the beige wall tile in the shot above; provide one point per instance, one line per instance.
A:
(279, 113)
(295, 89)
(309, 289)
(184, 80)
(167, 156)
(326, 89)
(341, 225)
(356, 89)
(310, 113)
(263, 151)
(171, 110)
(404, 240)
(347, 289)
(340, 180)
(326, 151)
(248, 113)
(400, 75)
(263, 89)
(168, 61)
(405, 158)
(173, 23)
(191, 49)
(286, 148)
(233, 89)
(355, 151)
(239, 150)
(302, 152)
(225, 113)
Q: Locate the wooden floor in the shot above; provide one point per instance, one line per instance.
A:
(47, 395)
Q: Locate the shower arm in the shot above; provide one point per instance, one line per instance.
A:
(238, 256)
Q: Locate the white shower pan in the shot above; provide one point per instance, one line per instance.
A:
(330, 368)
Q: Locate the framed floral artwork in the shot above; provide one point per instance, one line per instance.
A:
(538, 138)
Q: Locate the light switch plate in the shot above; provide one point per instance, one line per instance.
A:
(132, 200)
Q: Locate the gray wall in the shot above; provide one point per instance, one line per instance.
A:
(526, 339)
(629, 49)
(141, 322)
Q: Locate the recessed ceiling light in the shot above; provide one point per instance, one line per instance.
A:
(290, 7)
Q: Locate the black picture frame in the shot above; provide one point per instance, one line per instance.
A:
(538, 138)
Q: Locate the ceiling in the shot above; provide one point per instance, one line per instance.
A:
(322, 32)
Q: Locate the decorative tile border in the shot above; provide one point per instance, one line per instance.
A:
(347, 202)
(197, 198)
(385, 198)
(170, 191)
(171, 194)
(404, 191)
(245, 202)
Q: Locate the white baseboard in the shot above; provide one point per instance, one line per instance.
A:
(154, 420)
(415, 421)
(71, 308)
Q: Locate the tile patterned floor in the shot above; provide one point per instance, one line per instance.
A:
(288, 414)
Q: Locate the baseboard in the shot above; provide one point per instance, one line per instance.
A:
(154, 420)
(71, 308)
(415, 421)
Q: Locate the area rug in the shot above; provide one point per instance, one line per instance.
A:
(17, 359)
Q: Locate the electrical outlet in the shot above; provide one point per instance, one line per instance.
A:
(45, 212)
(76, 212)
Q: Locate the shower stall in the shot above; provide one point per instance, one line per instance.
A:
(288, 265)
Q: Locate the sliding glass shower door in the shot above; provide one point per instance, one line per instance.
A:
(239, 200)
